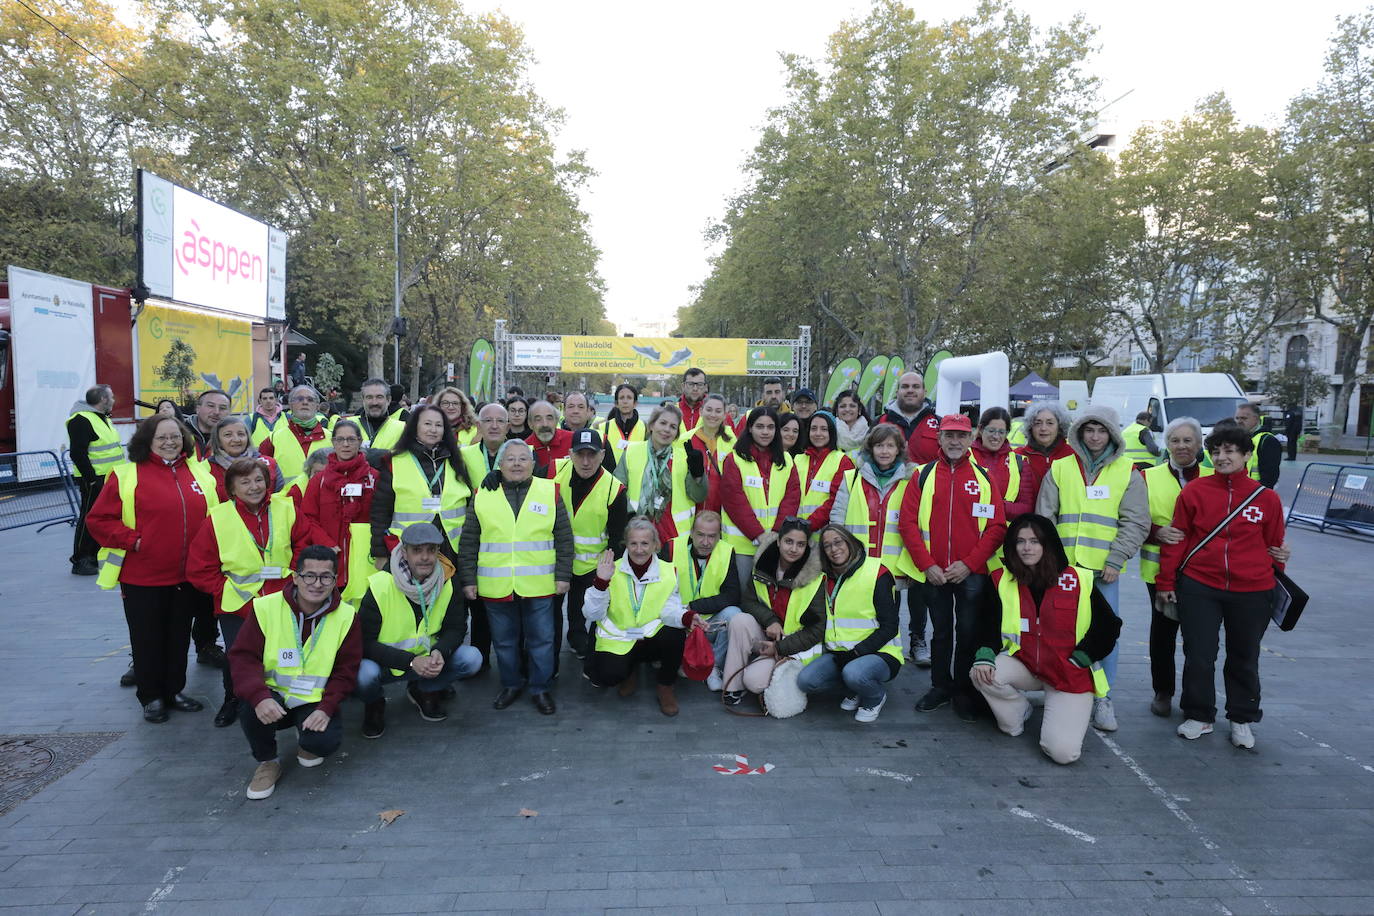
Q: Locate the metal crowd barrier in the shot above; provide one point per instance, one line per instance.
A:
(36, 488)
(1335, 496)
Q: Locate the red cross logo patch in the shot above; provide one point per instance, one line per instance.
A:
(932, 423)
(971, 487)
(1253, 514)
(1068, 581)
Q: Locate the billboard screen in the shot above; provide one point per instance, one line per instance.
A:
(199, 252)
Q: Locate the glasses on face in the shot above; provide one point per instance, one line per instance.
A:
(165, 440)
(347, 440)
(304, 399)
(993, 431)
(694, 384)
(310, 578)
(451, 405)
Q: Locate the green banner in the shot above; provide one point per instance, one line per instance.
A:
(841, 379)
(872, 381)
(481, 370)
(933, 371)
(775, 357)
(895, 370)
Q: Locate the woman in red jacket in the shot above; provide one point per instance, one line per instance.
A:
(820, 469)
(230, 442)
(146, 517)
(277, 534)
(758, 488)
(1225, 582)
(338, 506)
(713, 437)
(1048, 428)
(994, 455)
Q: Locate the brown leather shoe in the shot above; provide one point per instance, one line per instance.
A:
(667, 700)
(630, 684)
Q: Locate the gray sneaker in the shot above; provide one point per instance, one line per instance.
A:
(920, 653)
(1104, 716)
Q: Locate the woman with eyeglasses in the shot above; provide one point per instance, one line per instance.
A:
(1008, 470)
(1047, 426)
(462, 417)
(245, 551)
(338, 505)
(861, 649)
(518, 409)
(145, 518)
(821, 470)
(228, 443)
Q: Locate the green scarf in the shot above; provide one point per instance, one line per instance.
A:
(306, 424)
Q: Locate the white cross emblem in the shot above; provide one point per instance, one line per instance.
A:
(1068, 581)
(932, 423)
(195, 486)
(971, 487)
(1253, 514)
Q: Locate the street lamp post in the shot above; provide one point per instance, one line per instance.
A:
(400, 152)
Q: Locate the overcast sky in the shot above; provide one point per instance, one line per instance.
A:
(667, 99)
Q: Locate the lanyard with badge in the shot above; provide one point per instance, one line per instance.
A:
(830, 596)
(296, 657)
(266, 572)
(430, 503)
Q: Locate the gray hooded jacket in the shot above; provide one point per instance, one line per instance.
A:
(1133, 516)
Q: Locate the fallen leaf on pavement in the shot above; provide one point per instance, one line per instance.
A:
(389, 816)
(526, 812)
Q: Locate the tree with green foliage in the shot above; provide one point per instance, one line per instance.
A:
(328, 373)
(178, 368)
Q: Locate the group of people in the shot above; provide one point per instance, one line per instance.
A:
(337, 556)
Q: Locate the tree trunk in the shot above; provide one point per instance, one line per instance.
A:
(375, 343)
(414, 369)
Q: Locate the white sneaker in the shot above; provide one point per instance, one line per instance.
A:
(307, 759)
(1193, 729)
(921, 653)
(1024, 719)
(264, 781)
(1242, 735)
(1104, 716)
(869, 713)
(849, 704)
(715, 680)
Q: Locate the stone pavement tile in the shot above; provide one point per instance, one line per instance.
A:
(752, 909)
(213, 908)
(771, 893)
(313, 906)
(582, 880)
(1342, 906)
(857, 908)
(672, 879)
(869, 890)
(1280, 906)
(679, 896)
(412, 903)
(57, 909)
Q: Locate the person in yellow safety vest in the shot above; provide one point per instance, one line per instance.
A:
(758, 487)
(1016, 434)
(244, 552)
(1163, 484)
(515, 555)
(338, 504)
(1141, 448)
(953, 519)
(1265, 460)
(414, 619)
(265, 416)
(708, 583)
(623, 424)
(424, 479)
(95, 452)
(212, 405)
(305, 431)
(1098, 502)
(784, 612)
(1043, 626)
(144, 519)
(664, 480)
(294, 662)
(462, 416)
(381, 430)
(493, 422)
(1011, 472)
(597, 505)
(821, 469)
(714, 438)
(861, 649)
(639, 616)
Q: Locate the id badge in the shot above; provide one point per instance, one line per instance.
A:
(302, 684)
(431, 503)
(352, 489)
(288, 658)
(539, 508)
(1025, 625)
(820, 486)
(756, 482)
(266, 573)
(984, 510)
(1099, 492)
(894, 516)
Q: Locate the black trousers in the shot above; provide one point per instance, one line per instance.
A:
(569, 607)
(262, 739)
(83, 545)
(954, 628)
(1163, 645)
(229, 626)
(204, 631)
(606, 669)
(1202, 612)
(159, 618)
(916, 611)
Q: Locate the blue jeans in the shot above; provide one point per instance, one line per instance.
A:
(716, 632)
(372, 677)
(526, 622)
(864, 677)
(1112, 593)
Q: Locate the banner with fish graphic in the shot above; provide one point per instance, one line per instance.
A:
(656, 355)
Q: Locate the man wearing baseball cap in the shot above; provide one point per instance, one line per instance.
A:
(413, 623)
(952, 522)
(595, 501)
(804, 404)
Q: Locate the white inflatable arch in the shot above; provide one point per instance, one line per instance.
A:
(991, 371)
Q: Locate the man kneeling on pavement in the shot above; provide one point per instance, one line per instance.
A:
(293, 662)
(413, 623)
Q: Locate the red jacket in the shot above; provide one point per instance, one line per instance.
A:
(712, 501)
(734, 502)
(690, 414)
(821, 517)
(998, 467)
(1237, 559)
(245, 660)
(330, 512)
(922, 434)
(203, 568)
(306, 437)
(954, 531)
(218, 471)
(560, 446)
(169, 510)
(1039, 462)
(1049, 634)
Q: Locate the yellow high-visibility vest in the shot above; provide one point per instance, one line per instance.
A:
(850, 616)
(1014, 597)
(765, 507)
(517, 554)
(632, 615)
(400, 629)
(1162, 489)
(1088, 526)
(300, 675)
(106, 452)
(590, 537)
(246, 567)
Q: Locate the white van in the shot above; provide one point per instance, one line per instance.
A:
(1205, 396)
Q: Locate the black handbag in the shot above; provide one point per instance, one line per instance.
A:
(1287, 601)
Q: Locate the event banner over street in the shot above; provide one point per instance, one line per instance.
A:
(670, 355)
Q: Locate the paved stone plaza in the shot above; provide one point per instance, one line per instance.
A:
(915, 814)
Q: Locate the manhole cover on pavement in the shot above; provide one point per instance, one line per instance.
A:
(29, 763)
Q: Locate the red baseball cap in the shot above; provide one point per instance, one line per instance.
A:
(955, 422)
